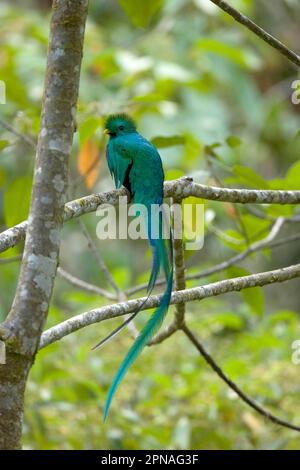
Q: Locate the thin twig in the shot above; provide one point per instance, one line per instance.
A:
(27, 139)
(262, 215)
(86, 286)
(104, 269)
(260, 32)
(224, 236)
(12, 259)
(216, 368)
(164, 334)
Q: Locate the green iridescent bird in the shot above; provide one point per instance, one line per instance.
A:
(136, 164)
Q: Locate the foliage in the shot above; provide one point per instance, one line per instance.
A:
(216, 101)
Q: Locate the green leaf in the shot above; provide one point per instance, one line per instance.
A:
(227, 320)
(275, 210)
(253, 296)
(283, 316)
(121, 276)
(16, 201)
(233, 141)
(233, 239)
(2, 177)
(235, 367)
(87, 128)
(141, 12)
(169, 141)
(248, 176)
(291, 180)
(233, 52)
(210, 150)
(3, 144)
(173, 174)
(192, 150)
(256, 228)
(149, 98)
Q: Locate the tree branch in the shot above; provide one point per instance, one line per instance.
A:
(12, 236)
(86, 286)
(216, 368)
(24, 324)
(103, 268)
(12, 259)
(180, 277)
(22, 328)
(73, 209)
(188, 295)
(260, 32)
(27, 139)
(181, 188)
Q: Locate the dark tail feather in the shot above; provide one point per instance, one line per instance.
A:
(118, 329)
(145, 336)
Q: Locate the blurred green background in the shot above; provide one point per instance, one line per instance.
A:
(181, 68)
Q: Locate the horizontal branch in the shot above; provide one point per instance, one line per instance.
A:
(177, 322)
(196, 293)
(76, 208)
(180, 188)
(185, 187)
(12, 236)
(260, 32)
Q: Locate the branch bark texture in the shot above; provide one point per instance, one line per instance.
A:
(179, 189)
(22, 329)
(178, 297)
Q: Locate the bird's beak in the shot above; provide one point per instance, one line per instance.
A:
(106, 132)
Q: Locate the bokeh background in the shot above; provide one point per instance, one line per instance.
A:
(217, 101)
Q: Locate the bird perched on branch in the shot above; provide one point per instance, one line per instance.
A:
(136, 164)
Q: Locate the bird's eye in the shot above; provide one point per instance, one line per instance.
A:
(121, 128)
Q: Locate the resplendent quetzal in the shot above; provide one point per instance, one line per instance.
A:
(136, 164)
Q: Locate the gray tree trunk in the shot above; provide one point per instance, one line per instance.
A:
(22, 329)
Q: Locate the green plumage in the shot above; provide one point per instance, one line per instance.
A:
(135, 163)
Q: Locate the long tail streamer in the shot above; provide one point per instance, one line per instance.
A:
(160, 258)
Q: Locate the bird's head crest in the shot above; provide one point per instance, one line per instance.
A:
(118, 124)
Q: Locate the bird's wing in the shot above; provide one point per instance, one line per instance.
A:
(118, 165)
